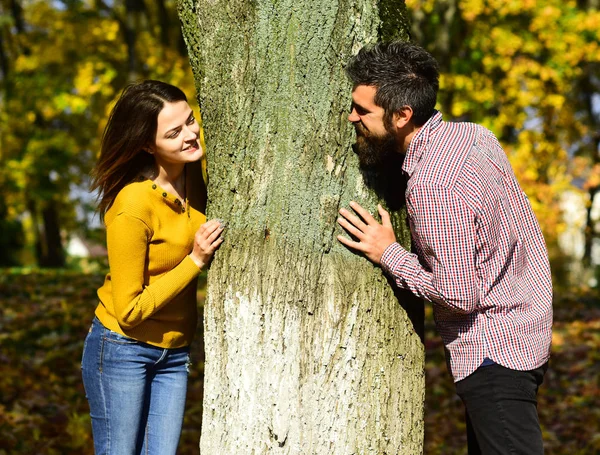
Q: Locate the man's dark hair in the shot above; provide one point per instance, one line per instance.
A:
(404, 75)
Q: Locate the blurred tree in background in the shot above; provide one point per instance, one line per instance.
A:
(62, 63)
(529, 71)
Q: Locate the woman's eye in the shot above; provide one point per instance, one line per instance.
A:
(174, 135)
(191, 120)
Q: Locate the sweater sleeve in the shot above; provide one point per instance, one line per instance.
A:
(134, 300)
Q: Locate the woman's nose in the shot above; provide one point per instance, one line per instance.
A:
(191, 133)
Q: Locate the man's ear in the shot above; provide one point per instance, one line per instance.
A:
(402, 117)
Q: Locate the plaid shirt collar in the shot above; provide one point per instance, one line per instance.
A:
(420, 142)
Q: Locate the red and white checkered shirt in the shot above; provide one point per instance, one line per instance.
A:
(481, 257)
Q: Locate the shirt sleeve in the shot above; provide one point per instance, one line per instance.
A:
(444, 230)
(134, 300)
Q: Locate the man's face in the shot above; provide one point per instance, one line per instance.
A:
(375, 144)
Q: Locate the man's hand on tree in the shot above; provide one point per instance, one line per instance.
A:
(372, 238)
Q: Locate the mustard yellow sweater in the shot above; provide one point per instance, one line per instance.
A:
(150, 292)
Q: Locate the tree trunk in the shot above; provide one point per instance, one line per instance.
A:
(164, 22)
(53, 253)
(308, 351)
(133, 11)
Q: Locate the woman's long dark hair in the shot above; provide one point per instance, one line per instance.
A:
(129, 133)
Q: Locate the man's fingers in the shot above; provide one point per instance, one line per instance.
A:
(353, 219)
(350, 228)
(385, 216)
(350, 243)
(365, 215)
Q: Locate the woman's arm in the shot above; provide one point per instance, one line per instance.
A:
(134, 300)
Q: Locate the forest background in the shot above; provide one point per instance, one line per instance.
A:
(526, 69)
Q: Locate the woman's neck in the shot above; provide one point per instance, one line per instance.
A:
(171, 178)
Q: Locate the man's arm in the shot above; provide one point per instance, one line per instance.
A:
(446, 232)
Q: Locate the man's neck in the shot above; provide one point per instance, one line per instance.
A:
(407, 138)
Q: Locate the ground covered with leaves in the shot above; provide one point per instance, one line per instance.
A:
(45, 315)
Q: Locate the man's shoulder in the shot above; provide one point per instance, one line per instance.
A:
(448, 150)
(456, 132)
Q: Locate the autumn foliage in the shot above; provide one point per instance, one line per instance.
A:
(527, 70)
(44, 318)
(62, 65)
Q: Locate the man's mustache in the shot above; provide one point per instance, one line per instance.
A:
(360, 129)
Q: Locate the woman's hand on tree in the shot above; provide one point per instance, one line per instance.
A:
(206, 241)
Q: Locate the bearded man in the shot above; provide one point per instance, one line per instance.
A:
(480, 255)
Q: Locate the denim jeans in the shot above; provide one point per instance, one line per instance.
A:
(501, 410)
(136, 393)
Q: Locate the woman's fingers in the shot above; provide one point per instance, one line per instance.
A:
(216, 234)
(208, 237)
(209, 226)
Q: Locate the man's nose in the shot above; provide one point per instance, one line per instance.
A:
(353, 117)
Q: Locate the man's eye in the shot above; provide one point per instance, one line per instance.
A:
(191, 120)
(359, 110)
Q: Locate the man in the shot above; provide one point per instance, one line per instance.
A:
(481, 258)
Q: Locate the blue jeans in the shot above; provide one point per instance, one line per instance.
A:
(136, 393)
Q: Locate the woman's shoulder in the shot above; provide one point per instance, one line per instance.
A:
(134, 200)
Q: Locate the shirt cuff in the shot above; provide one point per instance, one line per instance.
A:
(393, 256)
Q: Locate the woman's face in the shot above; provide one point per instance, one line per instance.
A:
(177, 135)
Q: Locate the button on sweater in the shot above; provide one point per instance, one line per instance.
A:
(150, 292)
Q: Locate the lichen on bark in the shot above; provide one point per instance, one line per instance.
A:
(307, 348)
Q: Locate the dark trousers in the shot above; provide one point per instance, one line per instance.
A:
(501, 410)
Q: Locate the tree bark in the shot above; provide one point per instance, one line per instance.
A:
(53, 253)
(164, 22)
(308, 350)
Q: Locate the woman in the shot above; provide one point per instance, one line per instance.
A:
(136, 353)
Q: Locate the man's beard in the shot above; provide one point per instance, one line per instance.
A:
(380, 161)
(374, 151)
